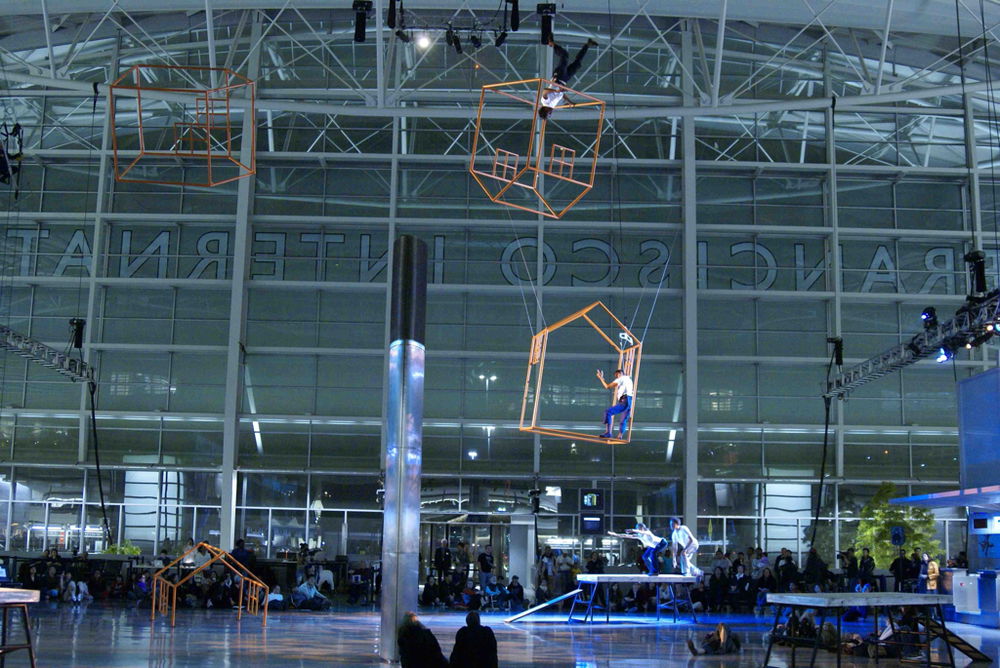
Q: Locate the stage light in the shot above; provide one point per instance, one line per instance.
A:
(403, 37)
(515, 15)
(475, 40)
(500, 39)
(546, 10)
(457, 44)
(361, 9)
(423, 42)
(944, 354)
(390, 19)
(929, 316)
(449, 37)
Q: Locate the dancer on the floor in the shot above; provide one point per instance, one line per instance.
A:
(654, 545)
(684, 547)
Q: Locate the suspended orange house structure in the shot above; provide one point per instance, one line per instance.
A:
(253, 592)
(542, 166)
(628, 349)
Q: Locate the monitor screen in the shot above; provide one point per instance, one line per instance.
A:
(979, 522)
(591, 499)
(591, 524)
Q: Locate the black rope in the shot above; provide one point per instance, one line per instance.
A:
(92, 387)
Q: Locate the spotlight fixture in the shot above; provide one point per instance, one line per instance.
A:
(476, 40)
(515, 15)
(449, 37)
(929, 316)
(501, 37)
(403, 37)
(390, 19)
(361, 9)
(944, 354)
(976, 259)
(546, 10)
(457, 43)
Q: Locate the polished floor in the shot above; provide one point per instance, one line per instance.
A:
(108, 636)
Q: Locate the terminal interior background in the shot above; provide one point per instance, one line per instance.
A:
(239, 331)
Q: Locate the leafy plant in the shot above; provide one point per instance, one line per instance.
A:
(877, 520)
(125, 547)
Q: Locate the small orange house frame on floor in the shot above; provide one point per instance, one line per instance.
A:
(165, 592)
(629, 356)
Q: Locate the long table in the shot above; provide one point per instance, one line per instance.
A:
(836, 603)
(590, 583)
(19, 600)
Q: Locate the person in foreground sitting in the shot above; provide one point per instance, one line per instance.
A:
(475, 645)
(306, 596)
(719, 641)
(418, 648)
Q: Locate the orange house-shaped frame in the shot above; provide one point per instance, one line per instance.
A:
(629, 351)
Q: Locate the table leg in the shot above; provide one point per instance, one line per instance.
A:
(607, 603)
(590, 606)
(837, 639)
(3, 636)
(658, 603)
(774, 629)
(27, 634)
(875, 615)
(694, 615)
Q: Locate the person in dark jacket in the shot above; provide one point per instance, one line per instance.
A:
(418, 648)
(475, 645)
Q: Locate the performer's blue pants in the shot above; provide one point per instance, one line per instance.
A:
(620, 407)
(649, 556)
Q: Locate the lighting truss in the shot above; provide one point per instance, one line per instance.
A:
(47, 356)
(972, 323)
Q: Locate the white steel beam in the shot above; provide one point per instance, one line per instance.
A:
(885, 46)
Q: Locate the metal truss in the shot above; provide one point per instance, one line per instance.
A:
(47, 356)
(972, 325)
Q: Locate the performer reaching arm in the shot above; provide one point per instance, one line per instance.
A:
(653, 544)
(624, 389)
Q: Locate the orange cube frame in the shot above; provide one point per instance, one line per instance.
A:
(202, 136)
(628, 360)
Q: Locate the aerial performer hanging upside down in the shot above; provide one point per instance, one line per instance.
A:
(624, 390)
(654, 544)
(561, 74)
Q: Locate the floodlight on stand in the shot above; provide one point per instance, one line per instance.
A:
(361, 9)
(501, 37)
(546, 10)
(929, 316)
(403, 37)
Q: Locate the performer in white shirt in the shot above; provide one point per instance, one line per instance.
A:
(684, 546)
(623, 387)
(653, 544)
(561, 74)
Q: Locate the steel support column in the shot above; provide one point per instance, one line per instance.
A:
(689, 203)
(237, 326)
(404, 415)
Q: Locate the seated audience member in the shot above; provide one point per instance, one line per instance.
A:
(429, 596)
(786, 570)
(276, 600)
(117, 588)
(765, 584)
(718, 589)
(492, 592)
(201, 557)
(542, 593)
(471, 597)
(188, 558)
(418, 648)
(740, 588)
(721, 561)
(307, 597)
(67, 587)
(475, 645)
(33, 580)
(515, 593)
(162, 559)
(241, 554)
(83, 594)
(719, 641)
(51, 585)
(699, 596)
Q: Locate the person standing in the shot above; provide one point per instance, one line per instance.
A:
(442, 561)
(929, 573)
(462, 560)
(475, 645)
(485, 566)
(866, 567)
(624, 389)
(684, 546)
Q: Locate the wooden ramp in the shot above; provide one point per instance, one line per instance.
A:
(956, 641)
(531, 611)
